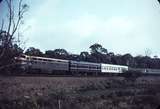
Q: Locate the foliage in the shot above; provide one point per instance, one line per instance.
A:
(9, 36)
(33, 52)
(99, 54)
(132, 75)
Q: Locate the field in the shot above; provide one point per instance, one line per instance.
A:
(79, 93)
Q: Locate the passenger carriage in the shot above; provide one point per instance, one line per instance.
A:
(60, 66)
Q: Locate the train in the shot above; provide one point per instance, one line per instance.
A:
(61, 66)
(146, 71)
(71, 67)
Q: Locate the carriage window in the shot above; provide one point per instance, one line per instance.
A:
(107, 68)
(42, 59)
(83, 66)
(104, 68)
(93, 67)
(34, 58)
(73, 65)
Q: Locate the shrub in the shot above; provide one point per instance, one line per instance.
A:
(132, 74)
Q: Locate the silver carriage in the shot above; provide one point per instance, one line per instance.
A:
(47, 64)
(84, 67)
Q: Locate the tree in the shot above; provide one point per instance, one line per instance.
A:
(33, 52)
(143, 61)
(98, 53)
(9, 27)
(57, 53)
(104, 51)
(128, 60)
(117, 59)
(95, 48)
(111, 54)
(84, 56)
(75, 57)
(155, 57)
(49, 53)
(61, 53)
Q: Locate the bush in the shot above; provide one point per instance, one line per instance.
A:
(132, 74)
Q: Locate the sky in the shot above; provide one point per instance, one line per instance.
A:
(120, 26)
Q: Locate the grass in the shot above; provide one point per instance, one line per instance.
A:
(79, 93)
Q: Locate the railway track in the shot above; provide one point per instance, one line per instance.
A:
(76, 75)
(51, 75)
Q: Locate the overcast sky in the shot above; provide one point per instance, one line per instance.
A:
(121, 26)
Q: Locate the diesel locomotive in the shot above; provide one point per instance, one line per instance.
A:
(60, 66)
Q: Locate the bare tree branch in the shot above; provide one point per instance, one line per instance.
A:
(2, 25)
(14, 18)
(9, 4)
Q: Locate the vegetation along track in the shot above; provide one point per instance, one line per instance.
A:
(82, 92)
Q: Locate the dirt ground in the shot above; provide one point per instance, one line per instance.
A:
(79, 92)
